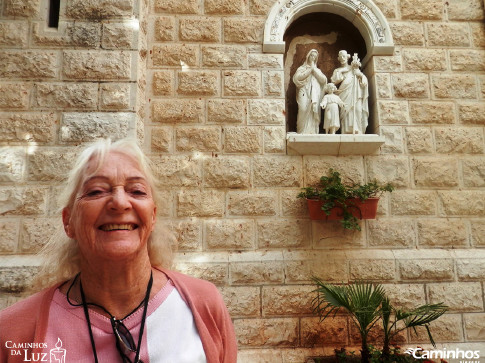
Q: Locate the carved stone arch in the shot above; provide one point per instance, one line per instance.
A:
(364, 15)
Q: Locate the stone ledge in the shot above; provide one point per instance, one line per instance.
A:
(323, 144)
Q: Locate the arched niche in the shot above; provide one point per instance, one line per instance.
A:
(364, 15)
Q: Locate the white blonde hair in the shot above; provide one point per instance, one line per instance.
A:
(60, 256)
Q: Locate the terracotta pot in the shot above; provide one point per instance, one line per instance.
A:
(366, 209)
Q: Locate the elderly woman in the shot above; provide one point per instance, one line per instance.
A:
(113, 301)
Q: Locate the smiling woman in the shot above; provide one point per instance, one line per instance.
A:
(114, 298)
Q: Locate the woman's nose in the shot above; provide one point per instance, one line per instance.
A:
(120, 199)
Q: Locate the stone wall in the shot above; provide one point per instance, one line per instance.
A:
(215, 126)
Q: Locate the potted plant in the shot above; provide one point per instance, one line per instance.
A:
(333, 199)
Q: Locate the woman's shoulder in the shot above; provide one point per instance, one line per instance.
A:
(193, 284)
(27, 305)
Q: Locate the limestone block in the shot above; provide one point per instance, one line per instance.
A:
(387, 7)
(394, 139)
(287, 300)
(472, 113)
(471, 60)
(432, 112)
(388, 63)
(22, 201)
(90, 64)
(273, 171)
(284, 233)
(20, 127)
(266, 112)
(380, 270)
(458, 87)
(273, 83)
(198, 83)
(465, 10)
(431, 172)
(470, 269)
(442, 233)
(413, 202)
(481, 80)
(448, 34)
(22, 8)
(410, 85)
(67, 95)
(474, 172)
(14, 33)
(383, 85)
(200, 29)
(265, 272)
(242, 301)
(177, 171)
(14, 95)
(69, 34)
(391, 233)
(16, 279)
(393, 112)
(227, 172)
(242, 139)
(177, 6)
(188, 233)
(213, 272)
(474, 326)
(464, 202)
(268, 355)
(252, 203)
(458, 296)
(326, 269)
(35, 233)
(243, 30)
(50, 164)
(260, 7)
(118, 36)
(177, 111)
(330, 235)
(89, 126)
(175, 55)
(350, 168)
(478, 233)
(95, 9)
(265, 61)
(229, 234)
(115, 96)
(459, 140)
(200, 203)
(427, 270)
(277, 332)
(226, 111)
(332, 331)
(163, 83)
(443, 329)
(224, 7)
(274, 139)
(426, 60)
(164, 29)
(478, 34)
(393, 170)
(29, 64)
(9, 232)
(161, 139)
(406, 296)
(291, 205)
(242, 83)
(407, 33)
(224, 56)
(419, 140)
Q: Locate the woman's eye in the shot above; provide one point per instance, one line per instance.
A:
(93, 193)
(138, 192)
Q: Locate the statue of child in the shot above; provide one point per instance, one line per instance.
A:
(330, 104)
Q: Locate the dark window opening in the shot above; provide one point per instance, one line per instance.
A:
(53, 20)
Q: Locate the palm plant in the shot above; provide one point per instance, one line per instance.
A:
(361, 300)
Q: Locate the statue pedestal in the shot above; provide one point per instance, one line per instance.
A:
(323, 144)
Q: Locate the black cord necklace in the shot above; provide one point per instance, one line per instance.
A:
(124, 335)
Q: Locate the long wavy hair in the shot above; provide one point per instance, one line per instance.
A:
(60, 256)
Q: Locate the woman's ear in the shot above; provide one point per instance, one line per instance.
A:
(66, 220)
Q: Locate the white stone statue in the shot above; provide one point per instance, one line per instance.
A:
(354, 92)
(309, 81)
(331, 104)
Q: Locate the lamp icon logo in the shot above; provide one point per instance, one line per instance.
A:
(58, 354)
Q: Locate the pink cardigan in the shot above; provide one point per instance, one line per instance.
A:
(26, 321)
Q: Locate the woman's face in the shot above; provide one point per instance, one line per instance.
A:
(113, 213)
(313, 57)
